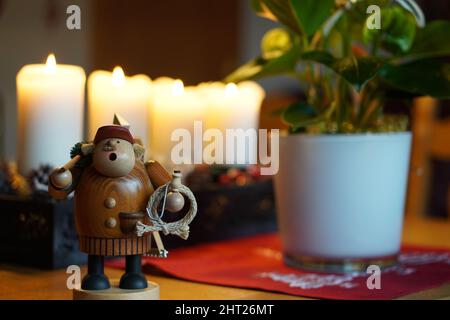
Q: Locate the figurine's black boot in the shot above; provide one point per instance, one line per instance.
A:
(133, 278)
(95, 279)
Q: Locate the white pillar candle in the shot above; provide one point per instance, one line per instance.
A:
(113, 92)
(173, 107)
(231, 106)
(50, 100)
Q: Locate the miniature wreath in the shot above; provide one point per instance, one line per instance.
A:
(179, 227)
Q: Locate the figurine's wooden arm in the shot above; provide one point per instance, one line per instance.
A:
(157, 173)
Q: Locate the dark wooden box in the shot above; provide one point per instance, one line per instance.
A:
(227, 212)
(38, 232)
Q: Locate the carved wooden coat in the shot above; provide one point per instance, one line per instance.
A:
(99, 201)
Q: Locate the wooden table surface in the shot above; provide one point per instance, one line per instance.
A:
(26, 283)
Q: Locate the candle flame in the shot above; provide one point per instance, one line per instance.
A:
(177, 88)
(231, 90)
(118, 77)
(50, 65)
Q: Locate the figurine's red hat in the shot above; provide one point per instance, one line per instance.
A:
(113, 131)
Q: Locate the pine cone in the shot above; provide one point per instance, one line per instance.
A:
(39, 178)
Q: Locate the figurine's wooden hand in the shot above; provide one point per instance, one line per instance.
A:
(61, 178)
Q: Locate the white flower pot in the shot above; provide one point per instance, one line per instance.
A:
(341, 199)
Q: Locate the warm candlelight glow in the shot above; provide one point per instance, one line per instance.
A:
(118, 77)
(111, 92)
(50, 106)
(231, 90)
(50, 65)
(177, 88)
(175, 108)
(233, 106)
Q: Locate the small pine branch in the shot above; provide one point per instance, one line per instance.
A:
(85, 160)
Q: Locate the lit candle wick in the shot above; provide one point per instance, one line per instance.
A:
(118, 77)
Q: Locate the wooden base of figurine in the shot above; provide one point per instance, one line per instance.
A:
(115, 293)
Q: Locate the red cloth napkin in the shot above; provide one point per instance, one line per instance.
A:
(256, 263)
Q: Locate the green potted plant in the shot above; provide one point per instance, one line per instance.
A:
(344, 163)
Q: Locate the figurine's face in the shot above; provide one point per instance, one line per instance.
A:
(114, 157)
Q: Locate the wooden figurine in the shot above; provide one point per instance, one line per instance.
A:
(112, 192)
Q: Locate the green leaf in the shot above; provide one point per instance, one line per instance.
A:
(247, 71)
(433, 40)
(426, 77)
(282, 11)
(311, 14)
(398, 29)
(275, 43)
(356, 71)
(260, 67)
(322, 57)
(300, 115)
(257, 7)
(261, 10)
(415, 10)
(393, 93)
